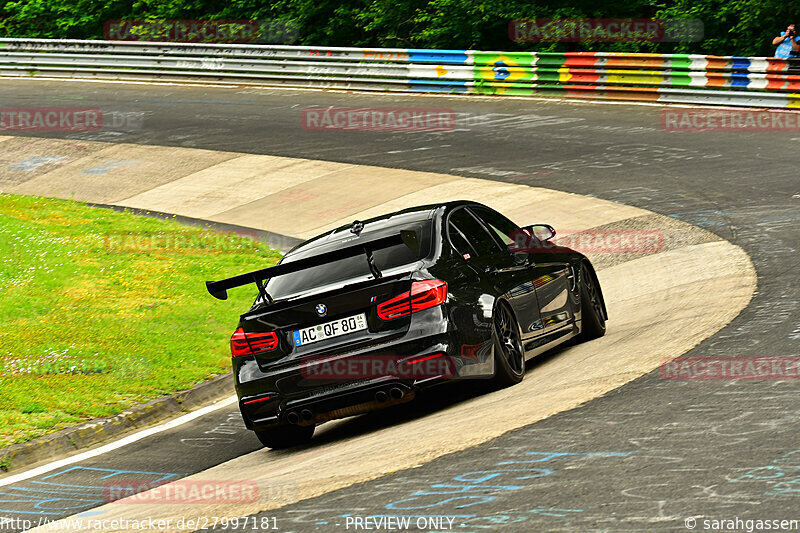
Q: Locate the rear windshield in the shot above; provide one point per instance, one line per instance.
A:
(352, 267)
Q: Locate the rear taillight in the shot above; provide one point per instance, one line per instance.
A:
(249, 343)
(423, 295)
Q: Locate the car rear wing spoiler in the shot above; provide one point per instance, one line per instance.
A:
(219, 289)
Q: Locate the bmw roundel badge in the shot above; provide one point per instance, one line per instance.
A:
(322, 310)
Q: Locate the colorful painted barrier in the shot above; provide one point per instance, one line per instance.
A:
(673, 78)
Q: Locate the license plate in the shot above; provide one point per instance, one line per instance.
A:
(328, 330)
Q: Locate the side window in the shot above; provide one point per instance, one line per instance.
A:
(505, 230)
(468, 226)
(460, 243)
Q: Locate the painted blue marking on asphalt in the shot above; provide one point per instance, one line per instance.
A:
(108, 166)
(89, 513)
(32, 163)
(114, 470)
(554, 455)
(37, 505)
(37, 512)
(66, 491)
(491, 474)
(482, 499)
(471, 482)
(554, 511)
(111, 473)
(49, 495)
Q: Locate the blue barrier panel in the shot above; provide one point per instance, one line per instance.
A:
(742, 63)
(447, 57)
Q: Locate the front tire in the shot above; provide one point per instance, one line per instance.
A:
(285, 436)
(592, 317)
(509, 357)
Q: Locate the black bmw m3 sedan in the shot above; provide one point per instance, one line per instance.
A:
(365, 316)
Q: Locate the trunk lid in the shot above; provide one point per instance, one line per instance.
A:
(340, 320)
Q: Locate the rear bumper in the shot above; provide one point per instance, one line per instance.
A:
(351, 399)
(298, 393)
(326, 386)
(306, 392)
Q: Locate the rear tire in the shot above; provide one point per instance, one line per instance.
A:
(509, 357)
(285, 436)
(593, 321)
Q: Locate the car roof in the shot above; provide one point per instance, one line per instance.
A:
(408, 215)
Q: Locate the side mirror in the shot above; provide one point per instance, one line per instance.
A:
(542, 232)
(532, 239)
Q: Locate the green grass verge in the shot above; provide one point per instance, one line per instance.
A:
(101, 310)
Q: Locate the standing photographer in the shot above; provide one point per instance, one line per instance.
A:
(788, 43)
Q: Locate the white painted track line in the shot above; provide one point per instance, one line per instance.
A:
(22, 476)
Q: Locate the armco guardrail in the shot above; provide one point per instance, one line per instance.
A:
(674, 78)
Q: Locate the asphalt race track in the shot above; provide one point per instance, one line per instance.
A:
(644, 457)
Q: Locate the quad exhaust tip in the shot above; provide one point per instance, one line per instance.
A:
(307, 415)
(396, 393)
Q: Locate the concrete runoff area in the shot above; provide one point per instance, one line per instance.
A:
(23, 159)
(231, 184)
(661, 304)
(296, 210)
(117, 171)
